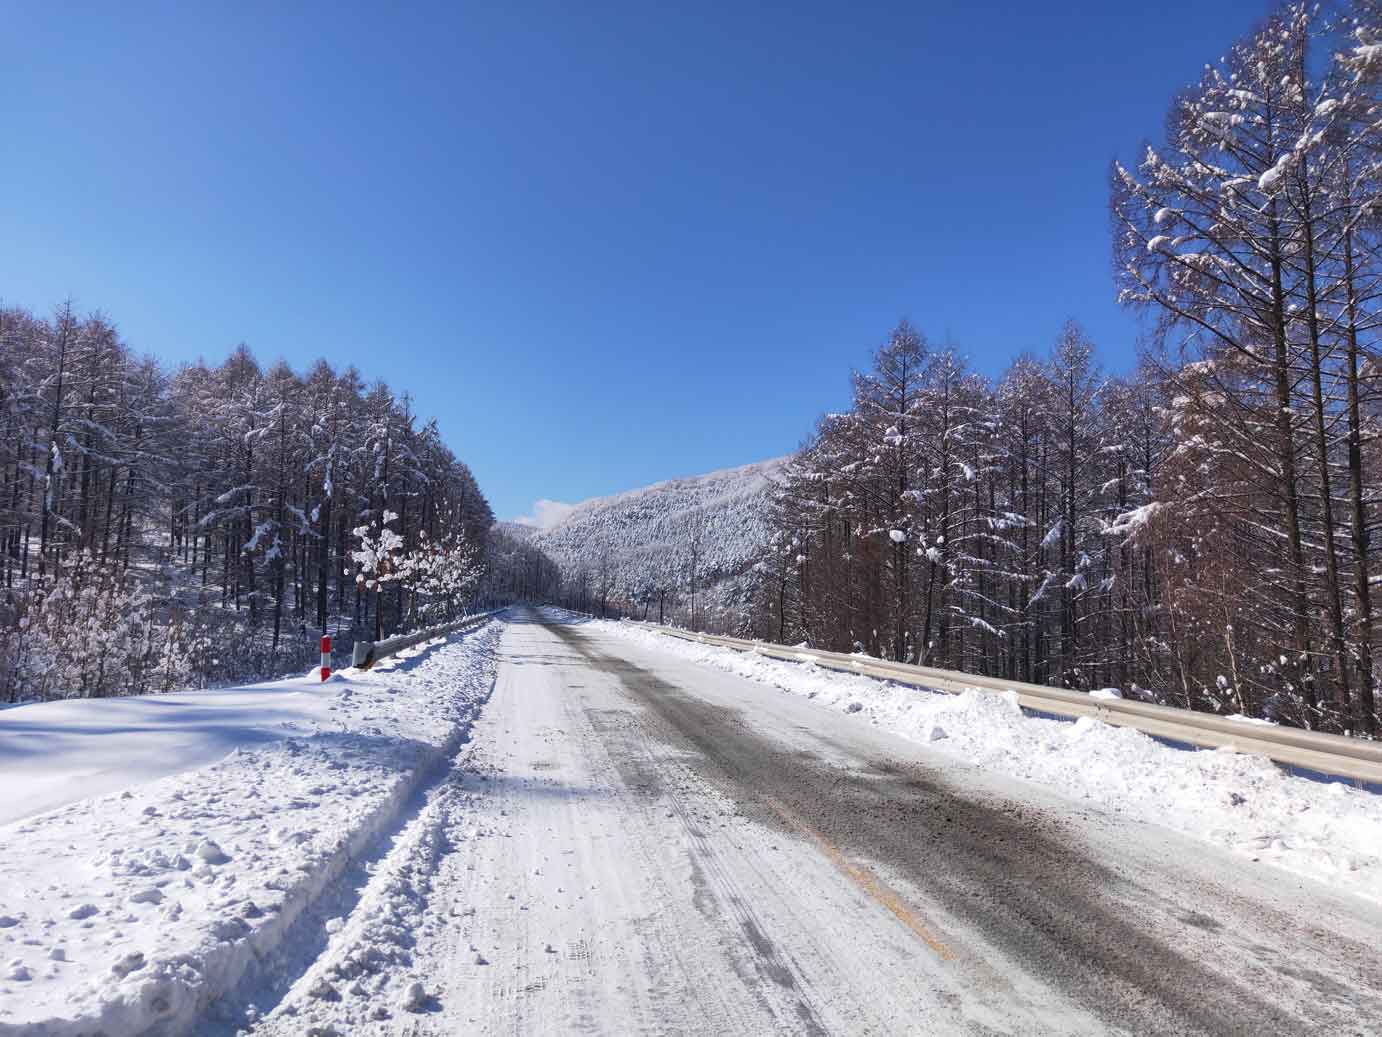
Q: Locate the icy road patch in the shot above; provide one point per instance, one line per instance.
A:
(143, 906)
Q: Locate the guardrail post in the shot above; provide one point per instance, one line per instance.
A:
(362, 655)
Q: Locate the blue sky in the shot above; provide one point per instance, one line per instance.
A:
(605, 244)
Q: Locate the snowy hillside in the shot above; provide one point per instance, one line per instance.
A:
(642, 543)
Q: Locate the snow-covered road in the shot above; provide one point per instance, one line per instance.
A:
(634, 843)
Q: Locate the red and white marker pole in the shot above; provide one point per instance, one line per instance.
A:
(326, 656)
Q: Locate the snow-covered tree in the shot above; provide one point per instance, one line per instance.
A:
(219, 498)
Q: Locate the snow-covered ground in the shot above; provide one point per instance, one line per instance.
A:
(539, 827)
(1327, 831)
(156, 849)
(61, 752)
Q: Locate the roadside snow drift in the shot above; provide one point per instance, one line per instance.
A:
(1328, 832)
(139, 908)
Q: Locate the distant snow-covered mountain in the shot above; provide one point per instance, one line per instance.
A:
(643, 542)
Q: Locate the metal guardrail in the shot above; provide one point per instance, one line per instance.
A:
(364, 654)
(1337, 756)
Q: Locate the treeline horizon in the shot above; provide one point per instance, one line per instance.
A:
(151, 517)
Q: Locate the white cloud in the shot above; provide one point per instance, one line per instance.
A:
(546, 514)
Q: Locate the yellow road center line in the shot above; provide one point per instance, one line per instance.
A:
(870, 883)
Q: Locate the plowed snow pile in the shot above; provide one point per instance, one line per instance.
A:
(1247, 804)
(140, 907)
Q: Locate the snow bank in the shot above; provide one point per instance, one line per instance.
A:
(1246, 804)
(367, 972)
(141, 907)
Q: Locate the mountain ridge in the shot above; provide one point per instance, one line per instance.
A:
(643, 545)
